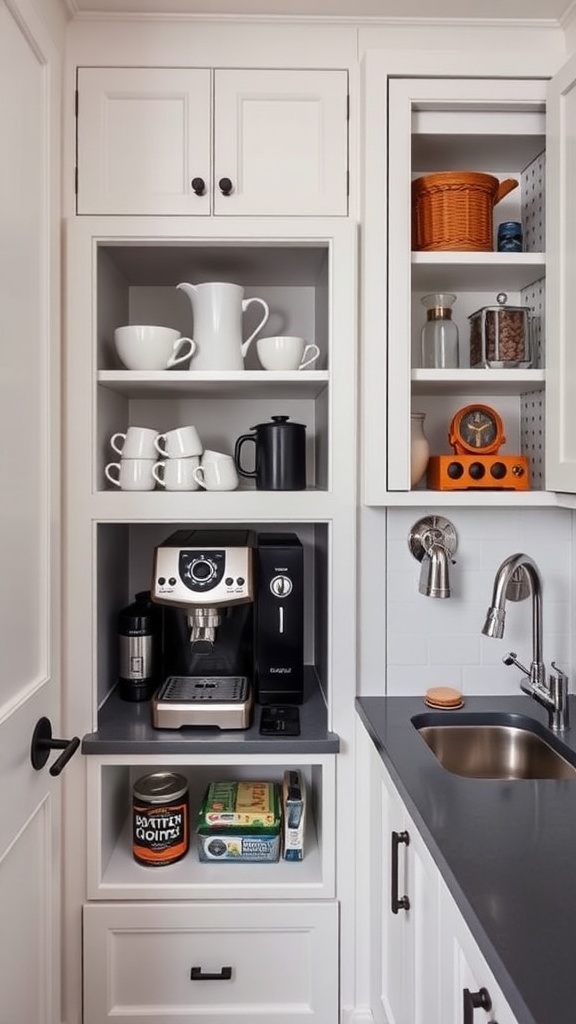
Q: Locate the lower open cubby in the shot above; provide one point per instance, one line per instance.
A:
(113, 873)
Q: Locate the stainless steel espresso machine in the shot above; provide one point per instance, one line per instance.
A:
(232, 625)
(205, 580)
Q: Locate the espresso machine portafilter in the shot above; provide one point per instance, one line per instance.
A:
(204, 579)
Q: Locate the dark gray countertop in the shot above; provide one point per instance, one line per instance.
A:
(506, 849)
(126, 728)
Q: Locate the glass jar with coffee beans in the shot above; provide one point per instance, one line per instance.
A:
(500, 336)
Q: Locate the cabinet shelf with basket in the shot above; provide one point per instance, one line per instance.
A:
(456, 136)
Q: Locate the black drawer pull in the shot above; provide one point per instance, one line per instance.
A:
(197, 974)
(479, 1000)
(397, 902)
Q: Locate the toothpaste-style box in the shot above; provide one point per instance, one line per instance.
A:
(293, 814)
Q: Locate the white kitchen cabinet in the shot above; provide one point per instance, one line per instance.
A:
(404, 925)
(427, 125)
(468, 990)
(275, 962)
(124, 270)
(196, 142)
(424, 961)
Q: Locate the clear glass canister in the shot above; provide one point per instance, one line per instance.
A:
(500, 336)
(439, 339)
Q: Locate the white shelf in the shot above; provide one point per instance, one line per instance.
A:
(124, 878)
(477, 382)
(495, 499)
(476, 271)
(237, 506)
(215, 383)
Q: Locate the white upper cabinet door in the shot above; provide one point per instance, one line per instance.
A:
(561, 297)
(144, 141)
(281, 140)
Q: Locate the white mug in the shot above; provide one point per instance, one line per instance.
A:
(136, 443)
(286, 353)
(217, 472)
(131, 474)
(144, 347)
(180, 443)
(177, 474)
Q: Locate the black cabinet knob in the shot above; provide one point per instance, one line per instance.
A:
(43, 743)
(479, 1000)
(225, 186)
(199, 186)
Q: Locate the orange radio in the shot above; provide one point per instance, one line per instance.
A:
(476, 434)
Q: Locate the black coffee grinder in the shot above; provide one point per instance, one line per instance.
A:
(279, 619)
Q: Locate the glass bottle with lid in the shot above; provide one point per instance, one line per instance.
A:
(439, 339)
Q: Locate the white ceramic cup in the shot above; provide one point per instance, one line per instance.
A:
(217, 472)
(144, 347)
(136, 443)
(131, 474)
(286, 353)
(177, 474)
(180, 443)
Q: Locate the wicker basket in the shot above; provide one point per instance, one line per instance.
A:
(453, 210)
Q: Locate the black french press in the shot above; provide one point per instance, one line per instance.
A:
(280, 456)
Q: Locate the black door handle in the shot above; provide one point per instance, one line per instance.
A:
(42, 744)
(198, 186)
(197, 974)
(225, 186)
(398, 902)
(479, 1000)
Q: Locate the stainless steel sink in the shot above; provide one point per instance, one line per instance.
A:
(494, 749)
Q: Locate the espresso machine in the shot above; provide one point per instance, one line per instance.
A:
(205, 581)
(232, 625)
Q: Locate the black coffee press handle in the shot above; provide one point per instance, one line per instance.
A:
(237, 450)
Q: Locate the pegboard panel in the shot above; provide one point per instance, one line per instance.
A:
(532, 435)
(535, 298)
(533, 181)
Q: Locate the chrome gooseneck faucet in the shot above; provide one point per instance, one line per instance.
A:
(510, 584)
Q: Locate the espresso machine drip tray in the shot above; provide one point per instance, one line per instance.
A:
(222, 701)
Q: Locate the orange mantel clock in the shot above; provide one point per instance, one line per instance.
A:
(476, 435)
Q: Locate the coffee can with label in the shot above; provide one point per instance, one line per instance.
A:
(160, 816)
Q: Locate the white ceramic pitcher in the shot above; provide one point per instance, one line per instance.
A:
(217, 310)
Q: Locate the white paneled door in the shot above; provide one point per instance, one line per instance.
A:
(29, 605)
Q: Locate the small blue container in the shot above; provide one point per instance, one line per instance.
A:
(510, 236)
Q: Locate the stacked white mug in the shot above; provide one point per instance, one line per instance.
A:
(137, 456)
(180, 449)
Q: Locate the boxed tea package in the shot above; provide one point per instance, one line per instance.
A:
(239, 821)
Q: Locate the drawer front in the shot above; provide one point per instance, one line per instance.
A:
(273, 962)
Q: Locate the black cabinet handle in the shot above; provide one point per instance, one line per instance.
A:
(43, 743)
(479, 1000)
(225, 186)
(197, 974)
(199, 186)
(398, 902)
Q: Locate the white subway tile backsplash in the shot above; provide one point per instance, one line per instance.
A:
(432, 642)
